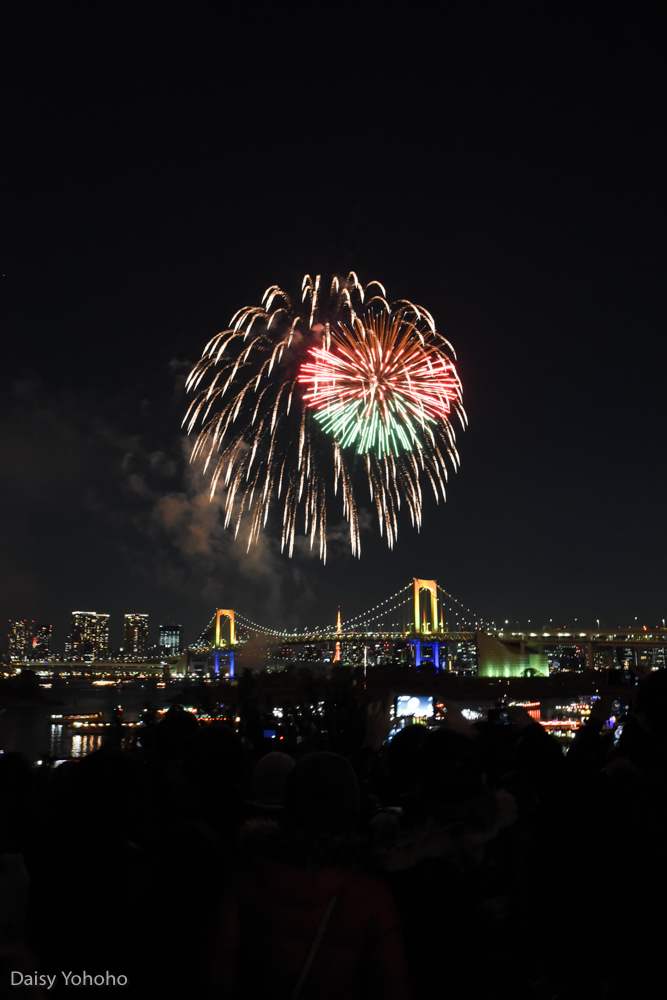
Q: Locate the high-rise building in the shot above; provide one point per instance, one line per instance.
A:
(20, 638)
(90, 635)
(135, 635)
(41, 642)
(171, 638)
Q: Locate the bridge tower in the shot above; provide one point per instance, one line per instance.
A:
(219, 643)
(432, 587)
(232, 635)
(424, 650)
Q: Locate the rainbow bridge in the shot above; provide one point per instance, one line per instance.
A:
(426, 631)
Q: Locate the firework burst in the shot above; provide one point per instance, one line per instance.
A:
(292, 399)
(380, 385)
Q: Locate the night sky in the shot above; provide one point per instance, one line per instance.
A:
(504, 169)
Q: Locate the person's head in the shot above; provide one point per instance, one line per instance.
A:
(172, 732)
(400, 757)
(213, 757)
(269, 778)
(447, 767)
(322, 794)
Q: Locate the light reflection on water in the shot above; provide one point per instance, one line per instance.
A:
(56, 739)
(86, 743)
(66, 744)
(28, 730)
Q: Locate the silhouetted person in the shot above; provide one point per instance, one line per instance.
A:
(303, 877)
(267, 793)
(449, 864)
(95, 854)
(172, 731)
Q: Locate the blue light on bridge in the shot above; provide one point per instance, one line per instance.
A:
(226, 660)
(427, 652)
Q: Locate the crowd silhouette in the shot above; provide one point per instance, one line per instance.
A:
(461, 861)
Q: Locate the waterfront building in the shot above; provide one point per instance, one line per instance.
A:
(41, 642)
(565, 659)
(462, 658)
(20, 638)
(135, 636)
(171, 638)
(89, 636)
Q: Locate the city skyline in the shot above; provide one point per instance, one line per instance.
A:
(518, 196)
(94, 630)
(140, 638)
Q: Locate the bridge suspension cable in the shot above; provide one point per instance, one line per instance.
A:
(368, 621)
(202, 640)
(364, 614)
(260, 628)
(378, 611)
(475, 618)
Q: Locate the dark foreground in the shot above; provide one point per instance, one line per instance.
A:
(460, 861)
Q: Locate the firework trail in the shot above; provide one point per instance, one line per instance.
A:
(294, 399)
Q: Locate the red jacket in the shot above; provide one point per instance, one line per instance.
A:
(273, 913)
